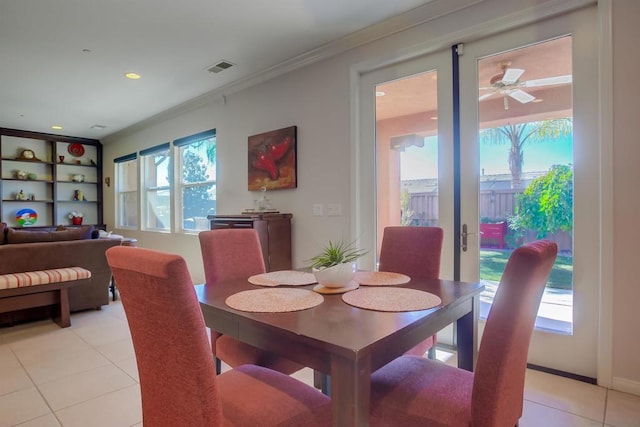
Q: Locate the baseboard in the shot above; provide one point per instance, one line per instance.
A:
(626, 386)
(562, 373)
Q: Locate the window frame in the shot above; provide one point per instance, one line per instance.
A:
(146, 189)
(119, 163)
(181, 145)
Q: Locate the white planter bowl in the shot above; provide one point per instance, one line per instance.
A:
(337, 276)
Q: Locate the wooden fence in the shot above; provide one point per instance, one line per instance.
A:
(495, 205)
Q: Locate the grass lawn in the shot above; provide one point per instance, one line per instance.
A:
(493, 262)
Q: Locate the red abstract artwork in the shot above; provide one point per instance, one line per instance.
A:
(272, 160)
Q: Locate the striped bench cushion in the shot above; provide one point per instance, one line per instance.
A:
(42, 277)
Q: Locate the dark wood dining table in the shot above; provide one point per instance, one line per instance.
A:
(346, 342)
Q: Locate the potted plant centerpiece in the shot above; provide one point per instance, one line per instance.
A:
(335, 266)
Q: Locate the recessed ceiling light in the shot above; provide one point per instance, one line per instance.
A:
(56, 127)
(380, 93)
(132, 76)
(98, 127)
(537, 100)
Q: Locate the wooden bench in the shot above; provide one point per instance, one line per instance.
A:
(41, 288)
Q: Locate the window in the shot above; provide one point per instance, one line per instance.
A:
(197, 185)
(156, 177)
(126, 186)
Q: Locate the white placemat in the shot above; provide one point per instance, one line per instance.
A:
(283, 277)
(391, 299)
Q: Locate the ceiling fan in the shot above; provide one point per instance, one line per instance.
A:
(508, 83)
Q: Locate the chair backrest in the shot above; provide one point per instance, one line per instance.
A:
(498, 386)
(414, 251)
(231, 254)
(176, 369)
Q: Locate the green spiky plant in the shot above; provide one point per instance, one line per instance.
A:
(336, 253)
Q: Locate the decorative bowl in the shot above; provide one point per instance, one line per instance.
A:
(337, 276)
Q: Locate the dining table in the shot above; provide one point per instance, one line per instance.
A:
(347, 343)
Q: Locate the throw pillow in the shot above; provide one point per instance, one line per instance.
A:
(80, 233)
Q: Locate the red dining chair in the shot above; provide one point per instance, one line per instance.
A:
(417, 391)
(416, 252)
(236, 254)
(178, 382)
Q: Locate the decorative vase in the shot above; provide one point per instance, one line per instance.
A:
(76, 220)
(337, 276)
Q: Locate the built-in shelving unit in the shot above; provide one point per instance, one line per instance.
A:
(65, 175)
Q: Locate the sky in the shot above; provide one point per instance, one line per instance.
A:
(421, 162)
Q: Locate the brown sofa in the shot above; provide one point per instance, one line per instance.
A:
(20, 251)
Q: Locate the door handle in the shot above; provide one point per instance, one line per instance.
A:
(463, 237)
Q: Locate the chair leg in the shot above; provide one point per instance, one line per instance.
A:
(218, 365)
(322, 382)
(431, 353)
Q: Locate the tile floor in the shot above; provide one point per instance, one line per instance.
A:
(86, 375)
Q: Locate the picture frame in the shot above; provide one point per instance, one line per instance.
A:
(272, 158)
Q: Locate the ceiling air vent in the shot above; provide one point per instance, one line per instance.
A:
(220, 66)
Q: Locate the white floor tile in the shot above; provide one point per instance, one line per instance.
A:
(104, 333)
(13, 379)
(130, 367)
(57, 343)
(21, 406)
(24, 331)
(574, 397)
(61, 366)
(44, 421)
(117, 350)
(84, 386)
(623, 410)
(536, 415)
(121, 408)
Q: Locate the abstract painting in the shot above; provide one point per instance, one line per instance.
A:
(272, 160)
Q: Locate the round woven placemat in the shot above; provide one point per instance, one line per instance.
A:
(391, 299)
(274, 300)
(380, 278)
(283, 277)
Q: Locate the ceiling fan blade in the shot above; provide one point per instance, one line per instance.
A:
(521, 96)
(557, 80)
(511, 75)
(485, 96)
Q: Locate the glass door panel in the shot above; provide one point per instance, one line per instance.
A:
(526, 167)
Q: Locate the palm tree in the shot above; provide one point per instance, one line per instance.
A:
(517, 135)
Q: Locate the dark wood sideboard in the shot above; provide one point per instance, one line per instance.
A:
(274, 231)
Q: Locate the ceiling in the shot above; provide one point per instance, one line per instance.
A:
(63, 62)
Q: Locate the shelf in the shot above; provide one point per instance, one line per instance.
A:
(77, 201)
(55, 186)
(48, 181)
(84, 165)
(43, 162)
(26, 201)
(76, 182)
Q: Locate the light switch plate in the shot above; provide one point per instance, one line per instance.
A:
(334, 209)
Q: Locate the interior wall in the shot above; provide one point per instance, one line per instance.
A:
(317, 100)
(626, 152)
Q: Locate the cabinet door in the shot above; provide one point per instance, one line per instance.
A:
(279, 231)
